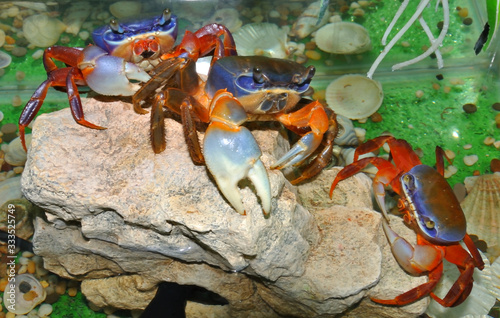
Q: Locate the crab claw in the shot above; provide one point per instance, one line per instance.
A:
(299, 152)
(232, 154)
(110, 75)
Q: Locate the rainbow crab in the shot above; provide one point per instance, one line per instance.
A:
(238, 89)
(430, 207)
(122, 56)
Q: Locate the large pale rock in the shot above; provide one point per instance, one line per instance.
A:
(125, 219)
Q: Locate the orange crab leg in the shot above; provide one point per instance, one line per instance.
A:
(417, 292)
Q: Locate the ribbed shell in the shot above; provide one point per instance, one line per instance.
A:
(261, 39)
(482, 209)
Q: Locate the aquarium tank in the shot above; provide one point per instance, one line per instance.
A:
(233, 158)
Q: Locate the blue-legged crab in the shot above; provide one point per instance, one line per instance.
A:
(239, 89)
(430, 207)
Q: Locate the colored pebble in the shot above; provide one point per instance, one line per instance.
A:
(470, 160)
(446, 89)
(495, 165)
(497, 120)
(467, 146)
(20, 75)
(376, 118)
(449, 154)
(16, 101)
(313, 55)
(440, 25)
(61, 287)
(72, 291)
(3, 284)
(469, 108)
(488, 141)
(9, 39)
(44, 310)
(10, 315)
(419, 94)
(436, 86)
(439, 77)
(467, 21)
(19, 51)
(31, 266)
(38, 54)
(463, 12)
(9, 131)
(496, 106)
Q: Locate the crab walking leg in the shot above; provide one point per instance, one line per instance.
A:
(231, 152)
(312, 116)
(414, 260)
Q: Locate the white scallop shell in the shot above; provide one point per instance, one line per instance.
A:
(480, 300)
(261, 39)
(482, 209)
(41, 30)
(354, 96)
(495, 278)
(10, 189)
(23, 284)
(343, 38)
(14, 152)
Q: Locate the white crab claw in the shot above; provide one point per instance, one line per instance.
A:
(299, 152)
(110, 75)
(232, 155)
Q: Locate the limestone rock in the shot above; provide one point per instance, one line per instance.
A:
(125, 219)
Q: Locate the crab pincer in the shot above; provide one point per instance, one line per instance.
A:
(232, 154)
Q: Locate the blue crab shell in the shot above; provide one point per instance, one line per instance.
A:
(236, 73)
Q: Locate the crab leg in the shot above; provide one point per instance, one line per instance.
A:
(232, 154)
(415, 260)
(313, 116)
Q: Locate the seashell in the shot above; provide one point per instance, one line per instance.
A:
(5, 59)
(75, 15)
(15, 154)
(307, 22)
(26, 294)
(354, 96)
(482, 209)
(346, 135)
(261, 39)
(229, 17)
(480, 300)
(347, 157)
(343, 38)
(42, 31)
(495, 278)
(24, 211)
(10, 189)
(123, 9)
(1, 116)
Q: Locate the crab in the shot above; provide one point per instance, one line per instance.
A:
(430, 207)
(116, 65)
(238, 89)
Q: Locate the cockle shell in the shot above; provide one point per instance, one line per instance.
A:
(354, 96)
(480, 300)
(27, 294)
(261, 39)
(41, 30)
(5, 59)
(14, 152)
(482, 209)
(307, 22)
(343, 38)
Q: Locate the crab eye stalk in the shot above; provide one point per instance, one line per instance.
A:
(165, 17)
(430, 224)
(258, 76)
(409, 181)
(115, 26)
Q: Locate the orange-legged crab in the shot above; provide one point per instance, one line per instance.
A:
(122, 53)
(238, 89)
(430, 207)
